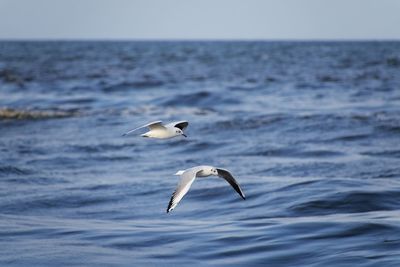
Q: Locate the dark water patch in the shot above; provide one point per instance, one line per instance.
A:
(393, 62)
(389, 128)
(94, 148)
(350, 202)
(128, 243)
(250, 123)
(328, 78)
(36, 180)
(295, 186)
(353, 230)
(387, 173)
(371, 173)
(125, 85)
(351, 137)
(296, 153)
(110, 158)
(320, 153)
(60, 161)
(199, 146)
(388, 153)
(62, 233)
(391, 240)
(7, 170)
(202, 99)
(151, 192)
(14, 77)
(336, 120)
(361, 117)
(80, 100)
(99, 187)
(120, 192)
(64, 201)
(307, 169)
(39, 233)
(243, 88)
(198, 98)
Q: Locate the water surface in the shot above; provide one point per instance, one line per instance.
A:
(310, 130)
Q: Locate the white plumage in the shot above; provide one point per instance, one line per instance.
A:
(160, 131)
(188, 176)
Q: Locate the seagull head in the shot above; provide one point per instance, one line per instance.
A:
(205, 171)
(214, 171)
(179, 132)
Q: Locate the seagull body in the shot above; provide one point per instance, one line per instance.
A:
(161, 131)
(188, 176)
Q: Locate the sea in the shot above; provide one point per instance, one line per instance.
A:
(310, 130)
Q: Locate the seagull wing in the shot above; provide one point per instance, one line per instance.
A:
(178, 124)
(152, 125)
(187, 178)
(229, 178)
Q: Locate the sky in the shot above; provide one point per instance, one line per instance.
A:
(200, 19)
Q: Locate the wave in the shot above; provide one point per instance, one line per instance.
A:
(350, 137)
(21, 114)
(198, 99)
(251, 123)
(188, 99)
(145, 84)
(93, 148)
(297, 153)
(349, 202)
(386, 153)
(14, 77)
(12, 170)
(77, 200)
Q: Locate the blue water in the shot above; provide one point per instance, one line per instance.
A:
(310, 130)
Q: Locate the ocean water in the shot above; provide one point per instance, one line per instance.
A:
(311, 131)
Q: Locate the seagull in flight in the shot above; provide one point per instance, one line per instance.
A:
(161, 131)
(188, 176)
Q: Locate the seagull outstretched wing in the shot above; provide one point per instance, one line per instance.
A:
(152, 125)
(229, 178)
(178, 124)
(187, 178)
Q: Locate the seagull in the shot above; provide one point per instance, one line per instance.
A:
(160, 131)
(188, 176)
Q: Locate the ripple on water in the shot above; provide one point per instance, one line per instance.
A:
(7, 170)
(291, 152)
(21, 114)
(349, 202)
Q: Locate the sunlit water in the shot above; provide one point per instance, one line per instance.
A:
(310, 130)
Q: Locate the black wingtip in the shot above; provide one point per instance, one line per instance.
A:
(169, 206)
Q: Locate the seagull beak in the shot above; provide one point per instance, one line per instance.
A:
(184, 135)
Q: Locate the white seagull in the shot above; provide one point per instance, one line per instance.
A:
(188, 176)
(160, 131)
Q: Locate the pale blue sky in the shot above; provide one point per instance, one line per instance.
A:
(200, 19)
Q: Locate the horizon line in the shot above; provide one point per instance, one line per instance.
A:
(199, 40)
